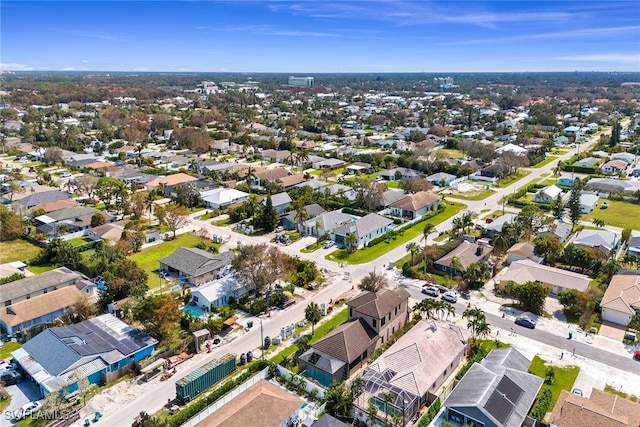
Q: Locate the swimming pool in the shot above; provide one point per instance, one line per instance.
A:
(193, 311)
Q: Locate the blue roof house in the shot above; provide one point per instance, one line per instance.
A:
(97, 349)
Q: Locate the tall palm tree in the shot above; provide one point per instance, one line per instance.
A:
(148, 204)
(455, 265)
(351, 240)
(413, 249)
(313, 314)
(357, 386)
(426, 307)
(388, 398)
(444, 309)
(426, 230)
(302, 157)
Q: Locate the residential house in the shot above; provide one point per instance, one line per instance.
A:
(259, 404)
(276, 156)
(496, 226)
(72, 219)
(220, 198)
(38, 311)
(466, 253)
(55, 205)
(343, 191)
(413, 369)
(373, 319)
(496, 170)
(35, 196)
(33, 286)
(614, 166)
(217, 293)
(167, 183)
(561, 140)
(600, 409)
(560, 230)
(97, 348)
(558, 280)
(628, 158)
(365, 228)
(587, 202)
(314, 184)
(547, 194)
(621, 300)
(603, 240)
(290, 220)
(588, 162)
(280, 201)
(290, 180)
(441, 179)
(391, 196)
(328, 163)
(498, 392)
(612, 185)
(566, 181)
(195, 265)
(633, 248)
(396, 174)
(512, 148)
(523, 250)
(415, 206)
(271, 175)
(358, 167)
(325, 223)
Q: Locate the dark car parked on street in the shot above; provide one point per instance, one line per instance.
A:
(526, 322)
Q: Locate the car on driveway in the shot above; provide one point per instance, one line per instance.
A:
(431, 291)
(329, 243)
(450, 296)
(11, 377)
(605, 205)
(577, 392)
(526, 322)
(636, 355)
(66, 175)
(27, 409)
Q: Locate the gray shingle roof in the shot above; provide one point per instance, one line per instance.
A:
(196, 262)
(348, 341)
(57, 277)
(44, 197)
(365, 225)
(378, 305)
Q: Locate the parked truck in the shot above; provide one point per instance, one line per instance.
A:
(198, 381)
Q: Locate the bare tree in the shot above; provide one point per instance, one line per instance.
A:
(261, 265)
(373, 282)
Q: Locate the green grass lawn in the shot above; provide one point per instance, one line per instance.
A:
(222, 222)
(39, 269)
(7, 348)
(148, 258)
(564, 378)
(448, 154)
(548, 181)
(392, 184)
(312, 248)
(618, 214)
(79, 241)
(367, 254)
(472, 195)
(507, 181)
(545, 162)
(17, 250)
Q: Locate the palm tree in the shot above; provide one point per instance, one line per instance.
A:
(388, 398)
(476, 321)
(598, 222)
(413, 249)
(372, 411)
(357, 386)
(426, 307)
(426, 230)
(351, 240)
(148, 204)
(444, 309)
(313, 314)
(455, 265)
(302, 157)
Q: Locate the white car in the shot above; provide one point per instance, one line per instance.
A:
(329, 243)
(450, 296)
(27, 409)
(66, 175)
(431, 291)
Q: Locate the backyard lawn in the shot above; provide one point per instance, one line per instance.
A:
(472, 195)
(563, 380)
(367, 254)
(618, 214)
(148, 258)
(17, 250)
(7, 348)
(448, 154)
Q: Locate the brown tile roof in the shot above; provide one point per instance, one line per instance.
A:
(416, 201)
(379, 304)
(290, 180)
(272, 174)
(622, 293)
(263, 404)
(348, 341)
(169, 180)
(40, 305)
(600, 410)
(99, 165)
(56, 205)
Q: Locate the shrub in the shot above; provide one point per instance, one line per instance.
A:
(542, 406)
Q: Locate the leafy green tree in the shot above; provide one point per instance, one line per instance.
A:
(259, 266)
(123, 278)
(531, 296)
(357, 386)
(626, 235)
(173, 216)
(108, 189)
(557, 207)
(159, 315)
(574, 202)
(267, 217)
(476, 273)
(313, 314)
(549, 247)
(10, 225)
(338, 401)
(97, 219)
(598, 222)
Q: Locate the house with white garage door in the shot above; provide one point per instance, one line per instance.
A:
(621, 301)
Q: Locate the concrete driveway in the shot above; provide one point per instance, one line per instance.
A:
(21, 393)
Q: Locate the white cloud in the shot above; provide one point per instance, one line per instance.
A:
(15, 67)
(267, 30)
(85, 61)
(67, 69)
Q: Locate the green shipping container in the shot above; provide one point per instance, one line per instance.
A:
(198, 381)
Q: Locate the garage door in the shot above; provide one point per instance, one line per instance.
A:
(615, 317)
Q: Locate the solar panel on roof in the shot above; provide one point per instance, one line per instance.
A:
(499, 407)
(510, 389)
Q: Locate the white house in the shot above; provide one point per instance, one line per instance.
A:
(547, 194)
(621, 301)
(366, 229)
(217, 293)
(222, 197)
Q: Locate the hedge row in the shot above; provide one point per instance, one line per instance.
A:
(543, 405)
(431, 414)
(356, 212)
(199, 405)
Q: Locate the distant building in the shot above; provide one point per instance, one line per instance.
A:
(443, 82)
(301, 81)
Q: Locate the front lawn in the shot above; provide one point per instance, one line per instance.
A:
(7, 348)
(446, 153)
(368, 254)
(392, 184)
(472, 195)
(563, 379)
(508, 180)
(617, 214)
(148, 258)
(545, 162)
(312, 248)
(17, 250)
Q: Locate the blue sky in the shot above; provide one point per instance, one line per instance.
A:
(320, 36)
